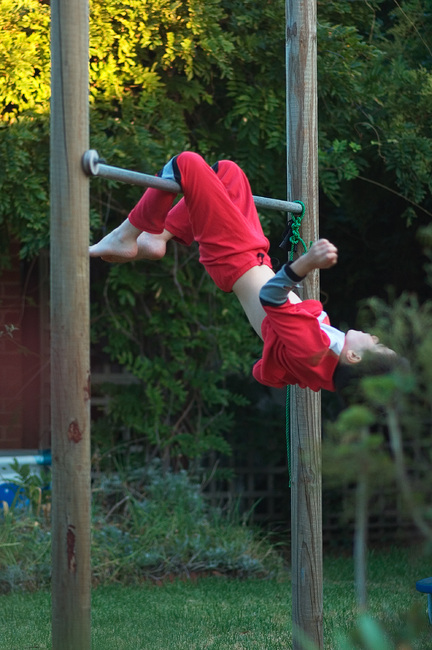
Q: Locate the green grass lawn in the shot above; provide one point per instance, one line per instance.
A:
(222, 614)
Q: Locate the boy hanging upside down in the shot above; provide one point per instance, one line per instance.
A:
(217, 211)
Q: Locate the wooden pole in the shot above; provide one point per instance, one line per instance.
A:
(70, 358)
(305, 420)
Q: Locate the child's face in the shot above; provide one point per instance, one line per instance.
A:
(359, 342)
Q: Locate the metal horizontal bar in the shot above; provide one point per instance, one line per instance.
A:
(94, 167)
(277, 204)
(137, 178)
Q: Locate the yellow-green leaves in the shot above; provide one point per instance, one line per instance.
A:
(24, 58)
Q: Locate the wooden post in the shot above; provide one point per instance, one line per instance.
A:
(70, 359)
(305, 421)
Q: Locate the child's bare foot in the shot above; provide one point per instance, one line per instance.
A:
(152, 247)
(120, 245)
(127, 243)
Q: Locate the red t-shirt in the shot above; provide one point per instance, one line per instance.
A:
(300, 347)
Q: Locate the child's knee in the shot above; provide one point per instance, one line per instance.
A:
(231, 174)
(191, 158)
(228, 165)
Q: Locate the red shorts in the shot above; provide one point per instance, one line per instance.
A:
(217, 211)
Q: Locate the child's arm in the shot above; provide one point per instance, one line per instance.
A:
(321, 255)
(275, 291)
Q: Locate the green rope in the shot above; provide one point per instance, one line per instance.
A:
(295, 239)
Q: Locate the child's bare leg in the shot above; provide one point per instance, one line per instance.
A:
(247, 290)
(127, 243)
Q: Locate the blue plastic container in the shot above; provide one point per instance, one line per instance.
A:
(13, 495)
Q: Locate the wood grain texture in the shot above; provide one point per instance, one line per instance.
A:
(305, 421)
(70, 343)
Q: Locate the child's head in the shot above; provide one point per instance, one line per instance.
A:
(363, 355)
(358, 343)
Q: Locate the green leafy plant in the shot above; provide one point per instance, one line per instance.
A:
(147, 524)
(36, 487)
(151, 524)
(383, 438)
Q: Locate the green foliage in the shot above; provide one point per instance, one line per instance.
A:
(370, 633)
(402, 398)
(24, 58)
(25, 558)
(352, 451)
(24, 107)
(147, 524)
(24, 214)
(384, 438)
(388, 121)
(338, 163)
(160, 525)
(209, 76)
(402, 402)
(167, 76)
(34, 486)
(179, 353)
